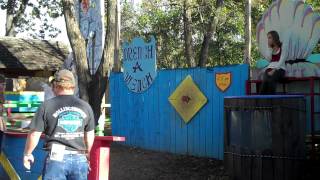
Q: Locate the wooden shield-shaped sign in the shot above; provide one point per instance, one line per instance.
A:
(223, 81)
(139, 63)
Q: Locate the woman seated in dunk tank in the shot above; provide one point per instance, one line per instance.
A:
(276, 69)
(286, 35)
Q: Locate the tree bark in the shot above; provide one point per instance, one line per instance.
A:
(78, 48)
(117, 65)
(211, 28)
(92, 88)
(108, 52)
(13, 16)
(247, 56)
(100, 81)
(188, 33)
(9, 19)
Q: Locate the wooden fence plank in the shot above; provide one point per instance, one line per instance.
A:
(149, 121)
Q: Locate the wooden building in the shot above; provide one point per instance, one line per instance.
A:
(30, 57)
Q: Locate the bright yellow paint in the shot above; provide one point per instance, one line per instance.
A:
(187, 99)
(11, 172)
(223, 81)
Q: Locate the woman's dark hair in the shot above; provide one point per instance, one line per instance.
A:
(275, 37)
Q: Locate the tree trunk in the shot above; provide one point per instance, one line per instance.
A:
(78, 47)
(247, 56)
(100, 81)
(108, 52)
(188, 33)
(92, 88)
(9, 19)
(13, 16)
(211, 28)
(117, 66)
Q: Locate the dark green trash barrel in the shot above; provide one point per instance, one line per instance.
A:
(264, 137)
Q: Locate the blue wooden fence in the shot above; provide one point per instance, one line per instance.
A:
(149, 121)
(13, 147)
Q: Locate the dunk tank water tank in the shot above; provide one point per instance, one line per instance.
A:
(264, 137)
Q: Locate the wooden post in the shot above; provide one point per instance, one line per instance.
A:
(100, 157)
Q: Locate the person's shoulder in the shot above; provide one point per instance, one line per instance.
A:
(82, 102)
(48, 101)
(52, 99)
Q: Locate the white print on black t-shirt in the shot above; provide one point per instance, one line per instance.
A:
(68, 108)
(69, 136)
(70, 121)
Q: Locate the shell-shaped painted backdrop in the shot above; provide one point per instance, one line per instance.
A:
(298, 26)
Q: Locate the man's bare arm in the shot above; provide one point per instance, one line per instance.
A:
(32, 141)
(88, 139)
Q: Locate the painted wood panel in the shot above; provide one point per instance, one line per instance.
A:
(149, 121)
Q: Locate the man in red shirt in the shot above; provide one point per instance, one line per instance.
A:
(276, 69)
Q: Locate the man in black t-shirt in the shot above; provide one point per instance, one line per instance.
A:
(68, 125)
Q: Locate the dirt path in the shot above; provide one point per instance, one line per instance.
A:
(129, 163)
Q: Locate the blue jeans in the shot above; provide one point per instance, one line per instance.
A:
(73, 167)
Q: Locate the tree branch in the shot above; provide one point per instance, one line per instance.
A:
(99, 85)
(13, 17)
(78, 47)
(188, 33)
(212, 26)
(108, 51)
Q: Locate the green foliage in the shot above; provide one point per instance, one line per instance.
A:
(316, 7)
(163, 19)
(37, 18)
(314, 3)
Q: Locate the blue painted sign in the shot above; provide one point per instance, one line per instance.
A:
(90, 17)
(139, 64)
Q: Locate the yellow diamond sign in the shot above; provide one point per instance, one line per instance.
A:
(187, 99)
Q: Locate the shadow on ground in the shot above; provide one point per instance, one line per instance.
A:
(129, 163)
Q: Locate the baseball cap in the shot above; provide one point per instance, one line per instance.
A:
(64, 77)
